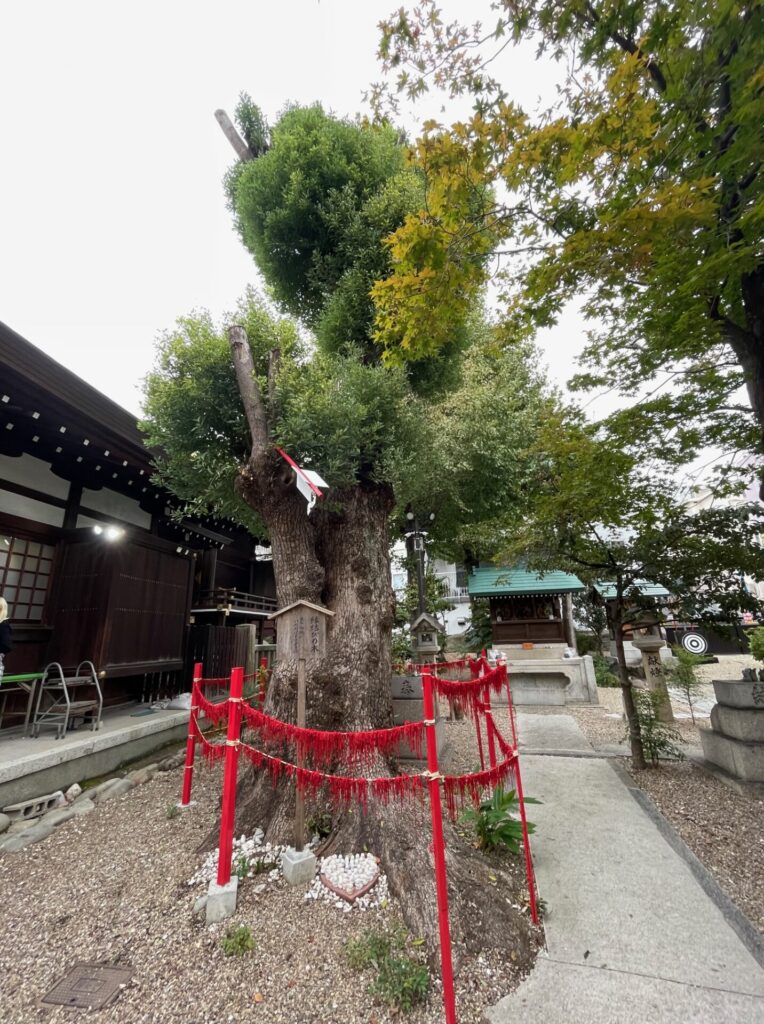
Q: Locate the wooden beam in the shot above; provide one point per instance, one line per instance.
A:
(241, 149)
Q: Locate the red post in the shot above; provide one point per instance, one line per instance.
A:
(262, 674)
(225, 849)
(489, 727)
(527, 846)
(439, 852)
(479, 734)
(511, 707)
(188, 771)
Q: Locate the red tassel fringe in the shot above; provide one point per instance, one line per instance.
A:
(325, 747)
(457, 789)
(472, 691)
(211, 752)
(343, 790)
(215, 711)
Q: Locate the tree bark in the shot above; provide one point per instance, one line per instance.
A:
(349, 689)
(635, 733)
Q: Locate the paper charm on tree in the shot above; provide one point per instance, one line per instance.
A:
(308, 482)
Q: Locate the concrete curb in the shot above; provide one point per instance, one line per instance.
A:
(745, 930)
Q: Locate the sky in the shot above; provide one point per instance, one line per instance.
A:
(112, 216)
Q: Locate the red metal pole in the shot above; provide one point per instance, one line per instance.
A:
(263, 673)
(188, 771)
(527, 847)
(511, 706)
(489, 727)
(228, 812)
(476, 716)
(439, 852)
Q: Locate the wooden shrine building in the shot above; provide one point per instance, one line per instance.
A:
(527, 607)
(95, 561)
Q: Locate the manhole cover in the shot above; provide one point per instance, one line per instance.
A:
(88, 986)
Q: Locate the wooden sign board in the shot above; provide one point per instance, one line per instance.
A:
(301, 630)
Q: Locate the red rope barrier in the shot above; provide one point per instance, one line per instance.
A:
(342, 789)
(356, 748)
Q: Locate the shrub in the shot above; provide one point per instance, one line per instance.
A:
(683, 675)
(603, 673)
(172, 811)
(495, 822)
(586, 643)
(659, 739)
(756, 641)
(400, 980)
(238, 941)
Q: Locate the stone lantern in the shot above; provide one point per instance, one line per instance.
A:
(424, 639)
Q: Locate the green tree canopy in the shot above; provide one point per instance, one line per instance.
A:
(640, 191)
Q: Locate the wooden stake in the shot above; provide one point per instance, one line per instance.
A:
(299, 807)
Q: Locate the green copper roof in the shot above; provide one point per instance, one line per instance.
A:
(643, 587)
(504, 582)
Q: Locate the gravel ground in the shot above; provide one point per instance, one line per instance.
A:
(724, 830)
(112, 887)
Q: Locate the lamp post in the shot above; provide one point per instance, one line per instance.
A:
(417, 536)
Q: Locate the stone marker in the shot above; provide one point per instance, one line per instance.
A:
(298, 866)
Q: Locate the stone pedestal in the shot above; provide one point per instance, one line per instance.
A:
(548, 674)
(735, 741)
(650, 647)
(408, 706)
(221, 900)
(298, 866)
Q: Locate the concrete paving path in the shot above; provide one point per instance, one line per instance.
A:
(636, 931)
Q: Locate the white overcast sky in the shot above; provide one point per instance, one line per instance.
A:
(112, 216)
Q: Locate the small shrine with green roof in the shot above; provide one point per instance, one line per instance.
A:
(532, 626)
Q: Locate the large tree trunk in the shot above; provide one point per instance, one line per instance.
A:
(349, 689)
(339, 557)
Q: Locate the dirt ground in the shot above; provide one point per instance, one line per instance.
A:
(112, 887)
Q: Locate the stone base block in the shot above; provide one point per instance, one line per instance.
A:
(740, 723)
(298, 866)
(552, 681)
(413, 711)
(34, 808)
(739, 693)
(221, 901)
(744, 760)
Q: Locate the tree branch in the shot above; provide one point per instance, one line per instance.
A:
(248, 388)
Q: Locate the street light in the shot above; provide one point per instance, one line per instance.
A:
(417, 535)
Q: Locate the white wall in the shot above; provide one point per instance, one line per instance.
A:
(116, 505)
(35, 473)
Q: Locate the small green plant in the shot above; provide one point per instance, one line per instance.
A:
(684, 676)
(495, 822)
(542, 906)
(756, 643)
(400, 981)
(238, 941)
(659, 740)
(172, 811)
(321, 824)
(602, 672)
(241, 866)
